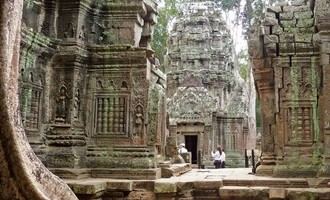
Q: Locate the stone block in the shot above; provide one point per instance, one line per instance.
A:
(277, 29)
(289, 23)
(165, 187)
(272, 15)
(277, 193)
(208, 185)
(304, 47)
(271, 49)
(305, 23)
(120, 185)
(303, 14)
(269, 21)
(244, 193)
(298, 3)
(282, 3)
(274, 9)
(141, 195)
(267, 29)
(287, 37)
(299, 194)
(185, 186)
(205, 194)
(286, 15)
(270, 39)
(296, 8)
(175, 170)
(325, 59)
(87, 188)
(144, 184)
(306, 30)
(166, 196)
(303, 37)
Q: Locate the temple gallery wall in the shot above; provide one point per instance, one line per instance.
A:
(92, 97)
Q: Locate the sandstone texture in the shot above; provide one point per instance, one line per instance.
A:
(92, 99)
(209, 104)
(290, 54)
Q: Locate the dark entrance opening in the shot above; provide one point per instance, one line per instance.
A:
(191, 145)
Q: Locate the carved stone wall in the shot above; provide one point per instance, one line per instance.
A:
(203, 84)
(90, 94)
(290, 55)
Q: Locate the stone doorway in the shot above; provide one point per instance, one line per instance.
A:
(191, 142)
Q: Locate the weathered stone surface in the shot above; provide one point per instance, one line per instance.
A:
(90, 91)
(141, 195)
(22, 175)
(208, 185)
(175, 170)
(277, 193)
(165, 187)
(293, 97)
(207, 100)
(243, 193)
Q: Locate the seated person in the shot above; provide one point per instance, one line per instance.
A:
(182, 149)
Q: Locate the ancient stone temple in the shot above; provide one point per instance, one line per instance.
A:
(290, 53)
(209, 104)
(92, 101)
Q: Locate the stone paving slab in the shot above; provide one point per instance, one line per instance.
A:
(207, 184)
(229, 177)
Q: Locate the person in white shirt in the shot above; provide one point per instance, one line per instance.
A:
(216, 155)
(182, 148)
(223, 159)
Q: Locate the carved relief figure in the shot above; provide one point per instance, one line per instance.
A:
(82, 34)
(139, 119)
(76, 104)
(61, 105)
(70, 31)
(124, 86)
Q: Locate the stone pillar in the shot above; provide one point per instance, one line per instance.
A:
(265, 86)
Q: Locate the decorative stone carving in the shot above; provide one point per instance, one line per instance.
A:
(69, 31)
(289, 73)
(96, 72)
(76, 105)
(61, 105)
(138, 125)
(202, 81)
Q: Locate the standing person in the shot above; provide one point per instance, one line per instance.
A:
(182, 148)
(216, 155)
(223, 159)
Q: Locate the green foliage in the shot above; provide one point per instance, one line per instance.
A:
(244, 68)
(166, 14)
(252, 14)
(227, 5)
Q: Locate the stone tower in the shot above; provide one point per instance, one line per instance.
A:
(92, 100)
(208, 102)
